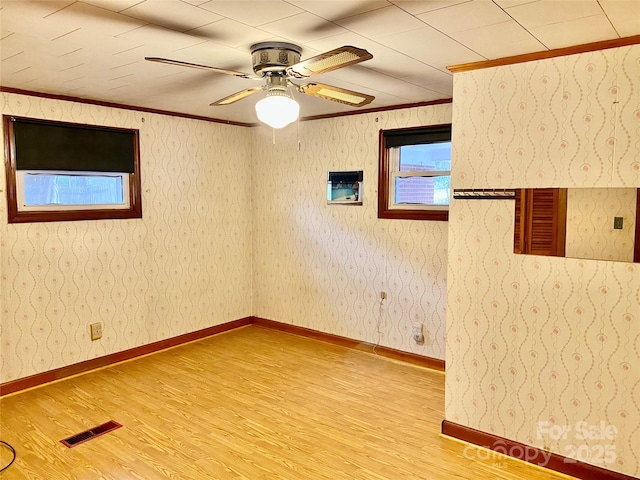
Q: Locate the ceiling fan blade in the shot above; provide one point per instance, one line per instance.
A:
(336, 94)
(248, 76)
(236, 96)
(328, 61)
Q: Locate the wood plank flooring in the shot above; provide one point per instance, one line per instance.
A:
(252, 404)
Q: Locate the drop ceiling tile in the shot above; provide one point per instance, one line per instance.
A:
(27, 43)
(512, 3)
(413, 93)
(483, 40)
(432, 48)
(178, 16)
(30, 18)
(7, 53)
(358, 78)
(624, 15)
(416, 7)
(216, 55)
(231, 33)
(90, 17)
(465, 16)
(195, 2)
(156, 38)
(36, 8)
(113, 5)
(417, 73)
(575, 32)
(382, 22)
(546, 12)
(92, 42)
(336, 9)
(254, 12)
(303, 27)
(23, 79)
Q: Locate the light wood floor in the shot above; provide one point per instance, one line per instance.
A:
(248, 404)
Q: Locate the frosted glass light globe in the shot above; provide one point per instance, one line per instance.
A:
(277, 111)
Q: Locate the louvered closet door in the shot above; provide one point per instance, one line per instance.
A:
(540, 224)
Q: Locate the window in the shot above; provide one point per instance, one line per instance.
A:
(415, 173)
(63, 171)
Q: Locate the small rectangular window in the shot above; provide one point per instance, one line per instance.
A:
(43, 190)
(61, 171)
(415, 173)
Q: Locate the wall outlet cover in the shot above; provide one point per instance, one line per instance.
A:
(96, 330)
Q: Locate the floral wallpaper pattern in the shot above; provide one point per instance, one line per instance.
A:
(323, 266)
(186, 265)
(542, 350)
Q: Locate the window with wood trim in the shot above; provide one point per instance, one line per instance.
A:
(64, 171)
(414, 180)
(540, 221)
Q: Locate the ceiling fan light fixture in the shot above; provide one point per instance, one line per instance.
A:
(277, 109)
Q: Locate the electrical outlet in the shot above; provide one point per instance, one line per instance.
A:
(96, 330)
(417, 334)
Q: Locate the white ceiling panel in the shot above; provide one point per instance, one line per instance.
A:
(95, 48)
(178, 16)
(575, 32)
(620, 14)
(252, 13)
(464, 16)
(90, 17)
(333, 10)
(156, 38)
(483, 40)
(416, 7)
(113, 5)
(303, 27)
(31, 19)
(382, 22)
(548, 12)
(231, 33)
(432, 47)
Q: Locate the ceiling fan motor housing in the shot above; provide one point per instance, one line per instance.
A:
(274, 57)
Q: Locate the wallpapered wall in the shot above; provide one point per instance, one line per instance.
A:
(184, 266)
(534, 342)
(590, 232)
(323, 267)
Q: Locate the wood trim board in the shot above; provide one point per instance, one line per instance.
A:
(529, 454)
(106, 360)
(407, 357)
(556, 52)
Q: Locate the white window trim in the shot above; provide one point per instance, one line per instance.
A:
(394, 163)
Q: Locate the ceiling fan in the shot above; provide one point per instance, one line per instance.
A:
(277, 63)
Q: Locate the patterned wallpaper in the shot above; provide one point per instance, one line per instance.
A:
(186, 265)
(323, 266)
(590, 232)
(542, 350)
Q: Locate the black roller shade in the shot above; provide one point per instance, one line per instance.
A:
(398, 138)
(45, 145)
(345, 177)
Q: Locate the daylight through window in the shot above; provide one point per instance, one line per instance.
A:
(61, 171)
(415, 173)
